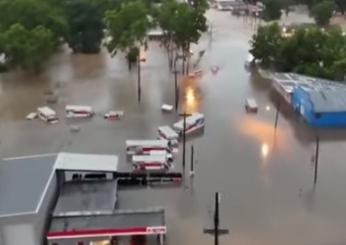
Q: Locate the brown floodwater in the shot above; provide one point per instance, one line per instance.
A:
(265, 175)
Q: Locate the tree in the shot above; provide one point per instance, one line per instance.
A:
(272, 9)
(188, 27)
(265, 45)
(310, 51)
(322, 12)
(127, 26)
(30, 14)
(182, 25)
(341, 4)
(26, 48)
(85, 25)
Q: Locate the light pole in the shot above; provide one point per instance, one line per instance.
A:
(216, 231)
(139, 77)
(277, 115)
(192, 169)
(184, 115)
(316, 158)
(176, 89)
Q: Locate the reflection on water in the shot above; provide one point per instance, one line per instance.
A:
(262, 131)
(191, 95)
(264, 150)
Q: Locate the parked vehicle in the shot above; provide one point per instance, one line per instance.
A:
(143, 147)
(193, 123)
(47, 114)
(79, 111)
(251, 105)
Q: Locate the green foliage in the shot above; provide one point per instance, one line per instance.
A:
(266, 43)
(27, 48)
(322, 12)
(127, 26)
(309, 51)
(31, 13)
(85, 24)
(183, 24)
(272, 10)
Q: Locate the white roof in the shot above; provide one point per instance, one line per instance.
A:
(150, 158)
(189, 120)
(251, 102)
(162, 143)
(168, 132)
(46, 110)
(86, 162)
(78, 108)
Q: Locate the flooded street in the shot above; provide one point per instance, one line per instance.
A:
(265, 175)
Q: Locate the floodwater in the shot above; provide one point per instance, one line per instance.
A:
(265, 176)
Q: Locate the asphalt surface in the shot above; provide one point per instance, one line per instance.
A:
(265, 175)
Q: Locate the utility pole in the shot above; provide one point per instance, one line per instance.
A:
(176, 88)
(216, 230)
(139, 76)
(184, 115)
(277, 115)
(316, 158)
(192, 169)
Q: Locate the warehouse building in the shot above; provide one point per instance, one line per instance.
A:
(321, 102)
(323, 108)
(67, 199)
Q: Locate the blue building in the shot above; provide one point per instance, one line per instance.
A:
(321, 107)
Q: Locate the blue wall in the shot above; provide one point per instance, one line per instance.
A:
(301, 103)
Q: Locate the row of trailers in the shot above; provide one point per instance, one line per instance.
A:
(159, 154)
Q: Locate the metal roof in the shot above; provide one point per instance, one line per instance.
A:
(23, 183)
(86, 162)
(131, 222)
(328, 100)
(288, 81)
(87, 196)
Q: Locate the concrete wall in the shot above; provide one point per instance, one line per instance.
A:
(46, 209)
(18, 229)
(29, 229)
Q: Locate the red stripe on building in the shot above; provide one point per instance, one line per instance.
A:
(83, 232)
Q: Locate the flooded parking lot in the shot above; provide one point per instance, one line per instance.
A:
(265, 175)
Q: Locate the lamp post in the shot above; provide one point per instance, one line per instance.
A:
(184, 115)
(216, 231)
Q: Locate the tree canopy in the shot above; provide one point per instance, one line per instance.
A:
(27, 48)
(272, 9)
(85, 24)
(32, 13)
(310, 51)
(127, 26)
(322, 12)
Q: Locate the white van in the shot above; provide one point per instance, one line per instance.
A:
(194, 122)
(79, 111)
(167, 133)
(144, 147)
(47, 114)
(251, 105)
(150, 162)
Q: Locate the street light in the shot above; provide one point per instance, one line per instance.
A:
(216, 231)
(184, 115)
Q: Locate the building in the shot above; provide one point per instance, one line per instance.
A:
(27, 194)
(226, 5)
(68, 199)
(323, 108)
(321, 102)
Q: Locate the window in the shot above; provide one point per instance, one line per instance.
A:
(80, 243)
